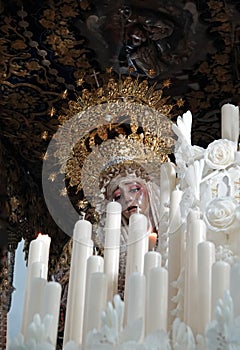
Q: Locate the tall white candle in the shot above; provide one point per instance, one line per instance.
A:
(37, 274)
(192, 216)
(37, 266)
(113, 215)
(51, 306)
(151, 259)
(174, 247)
(206, 257)
(230, 123)
(196, 234)
(39, 249)
(234, 287)
(95, 263)
(96, 301)
(112, 246)
(220, 282)
(167, 185)
(137, 246)
(167, 182)
(35, 300)
(157, 291)
(136, 299)
(38, 269)
(82, 249)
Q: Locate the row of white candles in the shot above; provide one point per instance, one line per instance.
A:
(41, 296)
(149, 290)
(93, 281)
(146, 295)
(205, 279)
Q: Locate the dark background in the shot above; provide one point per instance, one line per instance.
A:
(47, 46)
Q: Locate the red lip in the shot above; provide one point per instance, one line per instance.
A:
(132, 208)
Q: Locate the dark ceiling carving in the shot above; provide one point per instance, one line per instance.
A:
(47, 47)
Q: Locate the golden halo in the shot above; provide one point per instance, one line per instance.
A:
(134, 113)
(149, 143)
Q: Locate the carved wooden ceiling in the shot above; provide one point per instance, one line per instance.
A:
(47, 46)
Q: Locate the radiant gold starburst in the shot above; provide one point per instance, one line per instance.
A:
(64, 94)
(52, 111)
(100, 112)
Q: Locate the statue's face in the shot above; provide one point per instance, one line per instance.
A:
(132, 194)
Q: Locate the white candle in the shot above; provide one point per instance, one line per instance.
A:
(39, 249)
(36, 272)
(175, 248)
(157, 292)
(37, 266)
(167, 185)
(136, 299)
(196, 234)
(206, 257)
(95, 263)
(137, 246)
(81, 251)
(230, 123)
(38, 269)
(96, 301)
(113, 215)
(112, 246)
(35, 300)
(234, 287)
(167, 182)
(51, 306)
(220, 282)
(151, 259)
(192, 216)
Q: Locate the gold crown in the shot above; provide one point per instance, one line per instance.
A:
(119, 119)
(105, 88)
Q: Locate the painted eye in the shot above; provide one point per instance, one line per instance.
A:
(135, 189)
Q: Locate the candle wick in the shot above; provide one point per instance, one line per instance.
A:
(82, 215)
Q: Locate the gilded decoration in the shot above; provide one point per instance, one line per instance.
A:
(54, 51)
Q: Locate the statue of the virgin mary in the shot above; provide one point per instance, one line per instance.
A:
(112, 150)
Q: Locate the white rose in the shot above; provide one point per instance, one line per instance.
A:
(220, 154)
(220, 214)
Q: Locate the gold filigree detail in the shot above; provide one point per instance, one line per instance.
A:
(120, 119)
(128, 88)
